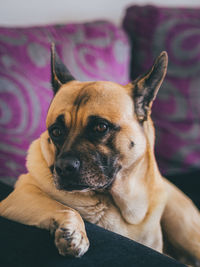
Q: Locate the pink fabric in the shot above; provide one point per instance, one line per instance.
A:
(176, 111)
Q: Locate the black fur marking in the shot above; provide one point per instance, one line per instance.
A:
(59, 73)
(61, 119)
(107, 163)
(107, 139)
(51, 168)
(92, 120)
(49, 140)
(110, 142)
(81, 100)
(59, 123)
(131, 145)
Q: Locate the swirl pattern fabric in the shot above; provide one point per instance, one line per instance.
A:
(92, 51)
(176, 111)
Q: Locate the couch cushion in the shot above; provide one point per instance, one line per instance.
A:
(176, 111)
(92, 51)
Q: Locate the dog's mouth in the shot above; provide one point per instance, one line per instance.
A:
(83, 188)
(75, 187)
(71, 187)
(68, 186)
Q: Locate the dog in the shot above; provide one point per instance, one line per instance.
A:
(96, 162)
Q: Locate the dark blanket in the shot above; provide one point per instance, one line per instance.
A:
(25, 246)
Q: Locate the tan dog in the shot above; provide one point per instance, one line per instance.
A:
(96, 162)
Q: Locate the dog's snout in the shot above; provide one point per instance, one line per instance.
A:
(67, 165)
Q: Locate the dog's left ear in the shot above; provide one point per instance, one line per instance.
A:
(59, 73)
(145, 88)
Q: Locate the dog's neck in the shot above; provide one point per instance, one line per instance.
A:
(130, 190)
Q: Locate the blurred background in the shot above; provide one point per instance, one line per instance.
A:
(28, 12)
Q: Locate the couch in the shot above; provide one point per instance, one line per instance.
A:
(100, 50)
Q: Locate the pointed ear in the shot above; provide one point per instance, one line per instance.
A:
(146, 86)
(59, 73)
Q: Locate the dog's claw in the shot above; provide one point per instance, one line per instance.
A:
(70, 241)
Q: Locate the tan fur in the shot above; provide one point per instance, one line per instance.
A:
(138, 199)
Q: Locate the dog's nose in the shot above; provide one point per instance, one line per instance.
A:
(67, 165)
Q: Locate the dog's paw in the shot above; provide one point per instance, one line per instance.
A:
(71, 241)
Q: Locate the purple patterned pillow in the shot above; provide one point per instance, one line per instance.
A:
(176, 111)
(92, 51)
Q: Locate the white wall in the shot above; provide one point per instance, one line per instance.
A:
(35, 12)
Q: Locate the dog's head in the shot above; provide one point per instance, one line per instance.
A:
(96, 129)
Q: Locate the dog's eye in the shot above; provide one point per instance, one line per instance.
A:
(56, 132)
(101, 128)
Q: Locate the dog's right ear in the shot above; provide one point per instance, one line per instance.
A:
(146, 87)
(59, 73)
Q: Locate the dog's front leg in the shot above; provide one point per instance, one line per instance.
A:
(29, 205)
(181, 225)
